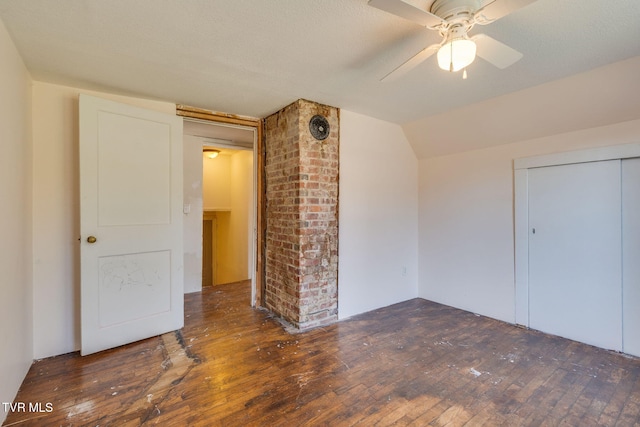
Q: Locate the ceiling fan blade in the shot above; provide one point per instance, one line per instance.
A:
(499, 8)
(413, 10)
(411, 63)
(495, 52)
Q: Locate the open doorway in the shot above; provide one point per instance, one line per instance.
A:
(220, 203)
(227, 204)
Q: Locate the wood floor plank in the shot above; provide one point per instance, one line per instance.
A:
(415, 363)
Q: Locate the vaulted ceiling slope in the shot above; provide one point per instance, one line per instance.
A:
(253, 57)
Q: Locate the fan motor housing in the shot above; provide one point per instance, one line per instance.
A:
(455, 11)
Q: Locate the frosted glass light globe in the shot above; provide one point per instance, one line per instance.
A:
(463, 52)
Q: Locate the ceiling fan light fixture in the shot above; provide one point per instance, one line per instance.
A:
(456, 54)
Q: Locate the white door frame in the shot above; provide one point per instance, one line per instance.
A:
(253, 227)
(521, 208)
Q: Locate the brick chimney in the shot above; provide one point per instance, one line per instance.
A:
(301, 174)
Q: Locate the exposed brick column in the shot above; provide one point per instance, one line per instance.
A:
(302, 216)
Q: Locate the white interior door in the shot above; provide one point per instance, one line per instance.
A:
(131, 209)
(575, 285)
(631, 255)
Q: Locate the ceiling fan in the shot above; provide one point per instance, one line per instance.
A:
(453, 19)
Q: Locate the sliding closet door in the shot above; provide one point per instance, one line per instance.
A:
(575, 286)
(631, 255)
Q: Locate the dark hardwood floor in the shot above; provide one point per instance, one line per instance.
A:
(415, 363)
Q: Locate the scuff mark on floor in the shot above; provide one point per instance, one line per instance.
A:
(81, 407)
(178, 361)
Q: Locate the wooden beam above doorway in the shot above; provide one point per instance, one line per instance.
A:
(216, 116)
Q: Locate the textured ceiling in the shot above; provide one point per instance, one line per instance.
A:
(253, 57)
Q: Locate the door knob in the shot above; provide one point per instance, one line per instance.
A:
(91, 239)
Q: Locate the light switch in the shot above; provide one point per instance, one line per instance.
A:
(186, 208)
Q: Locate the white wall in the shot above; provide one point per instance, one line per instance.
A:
(466, 253)
(192, 221)
(240, 223)
(228, 187)
(56, 287)
(216, 182)
(378, 220)
(16, 309)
